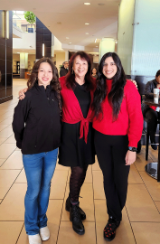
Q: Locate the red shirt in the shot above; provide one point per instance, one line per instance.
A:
(71, 110)
(130, 118)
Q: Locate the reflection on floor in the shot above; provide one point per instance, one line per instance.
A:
(141, 216)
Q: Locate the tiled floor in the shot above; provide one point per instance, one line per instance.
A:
(141, 216)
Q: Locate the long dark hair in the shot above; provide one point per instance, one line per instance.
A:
(55, 85)
(115, 96)
(70, 77)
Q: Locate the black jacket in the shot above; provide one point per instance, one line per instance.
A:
(40, 112)
(148, 89)
(63, 71)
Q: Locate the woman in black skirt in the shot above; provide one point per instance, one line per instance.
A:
(77, 148)
(118, 125)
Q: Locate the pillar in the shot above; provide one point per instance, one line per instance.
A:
(23, 64)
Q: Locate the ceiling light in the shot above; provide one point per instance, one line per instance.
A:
(101, 4)
(87, 4)
(70, 42)
(96, 46)
(87, 33)
(67, 37)
(86, 23)
(95, 40)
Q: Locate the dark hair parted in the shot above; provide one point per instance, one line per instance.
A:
(115, 96)
(70, 77)
(55, 85)
(158, 73)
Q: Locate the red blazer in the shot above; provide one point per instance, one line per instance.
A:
(71, 110)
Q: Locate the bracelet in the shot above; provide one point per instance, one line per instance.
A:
(132, 149)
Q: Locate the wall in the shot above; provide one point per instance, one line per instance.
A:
(60, 58)
(6, 62)
(125, 33)
(26, 42)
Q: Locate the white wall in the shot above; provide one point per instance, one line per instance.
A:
(28, 41)
(60, 58)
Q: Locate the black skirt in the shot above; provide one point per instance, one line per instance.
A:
(74, 151)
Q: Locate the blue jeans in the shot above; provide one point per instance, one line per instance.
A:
(39, 169)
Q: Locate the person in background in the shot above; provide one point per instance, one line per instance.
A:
(118, 125)
(94, 73)
(64, 69)
(149, 112)
(37, 130)
(77, 147)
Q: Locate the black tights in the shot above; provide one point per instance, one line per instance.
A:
(77, 178)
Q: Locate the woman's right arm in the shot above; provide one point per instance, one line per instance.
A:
(19, 118)
(21, 93)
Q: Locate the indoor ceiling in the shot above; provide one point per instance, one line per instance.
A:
(66, 19)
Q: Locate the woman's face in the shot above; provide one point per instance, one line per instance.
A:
(94, 71)
(45, 74)
(109, 68)
(80, 67)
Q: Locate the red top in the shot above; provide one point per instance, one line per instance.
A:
(71, 110)
(130, 118)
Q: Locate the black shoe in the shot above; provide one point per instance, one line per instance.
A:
(110, 229)
(154, 146)
(76, 220)
(82, 213)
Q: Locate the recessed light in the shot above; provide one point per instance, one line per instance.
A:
(34, 8)
(87, 3)
(96, 46)
(87, 33)
(86, 23)
(95, 40)
(70, 42)
(67, 37)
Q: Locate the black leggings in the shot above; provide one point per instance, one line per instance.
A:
(111, 152)
(77, 178)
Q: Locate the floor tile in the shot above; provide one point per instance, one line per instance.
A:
(98, 185)
(53, 214)
(152, 185)
(67, 235)
(12, 207)
(14, 161)
(6, 132)
(140, 205)
(2, 139)
(11, 140)
(6, 150)
(21, 178)
(124, 233)
(146, 233)
(95, 166)
(61, 167)
(58, 184)
(134, 176)
(7, 177)
(9, 232)
(1, 161)
(2, 126)
(158, 206)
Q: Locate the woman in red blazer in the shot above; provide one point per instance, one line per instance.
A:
(118, 125)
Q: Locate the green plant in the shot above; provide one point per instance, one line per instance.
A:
(30, 17)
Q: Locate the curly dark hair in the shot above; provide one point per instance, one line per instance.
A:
(55, 85)
(115, 96)
(70, 77)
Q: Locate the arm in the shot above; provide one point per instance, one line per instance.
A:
(21, 93)
(19, 118)
(148, 89)
(135, 126)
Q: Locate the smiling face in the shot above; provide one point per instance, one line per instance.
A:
(80, 67)
(45, 74)
(94, 71)
(109, 68)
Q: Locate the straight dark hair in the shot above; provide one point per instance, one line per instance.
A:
(55, 85)
(70, 77)
(158, 73)
(115, 96)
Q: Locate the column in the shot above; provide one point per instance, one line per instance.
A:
(23, 64)
(106, 45)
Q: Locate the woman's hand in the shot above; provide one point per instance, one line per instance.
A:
(135, 83)
(22, 93)
(130, 157)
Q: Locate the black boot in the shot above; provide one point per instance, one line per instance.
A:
(68, 205)
(76, 220)
(110, 229)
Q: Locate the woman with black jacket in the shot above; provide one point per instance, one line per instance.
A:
(37, 130)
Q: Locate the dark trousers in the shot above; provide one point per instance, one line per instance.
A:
(111, 152)
(151, 117)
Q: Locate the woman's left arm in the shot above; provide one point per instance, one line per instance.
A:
(135, 126)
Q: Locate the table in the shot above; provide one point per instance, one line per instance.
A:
(153, 168)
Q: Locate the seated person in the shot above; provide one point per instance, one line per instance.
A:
(149, 112)
(94, 73)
